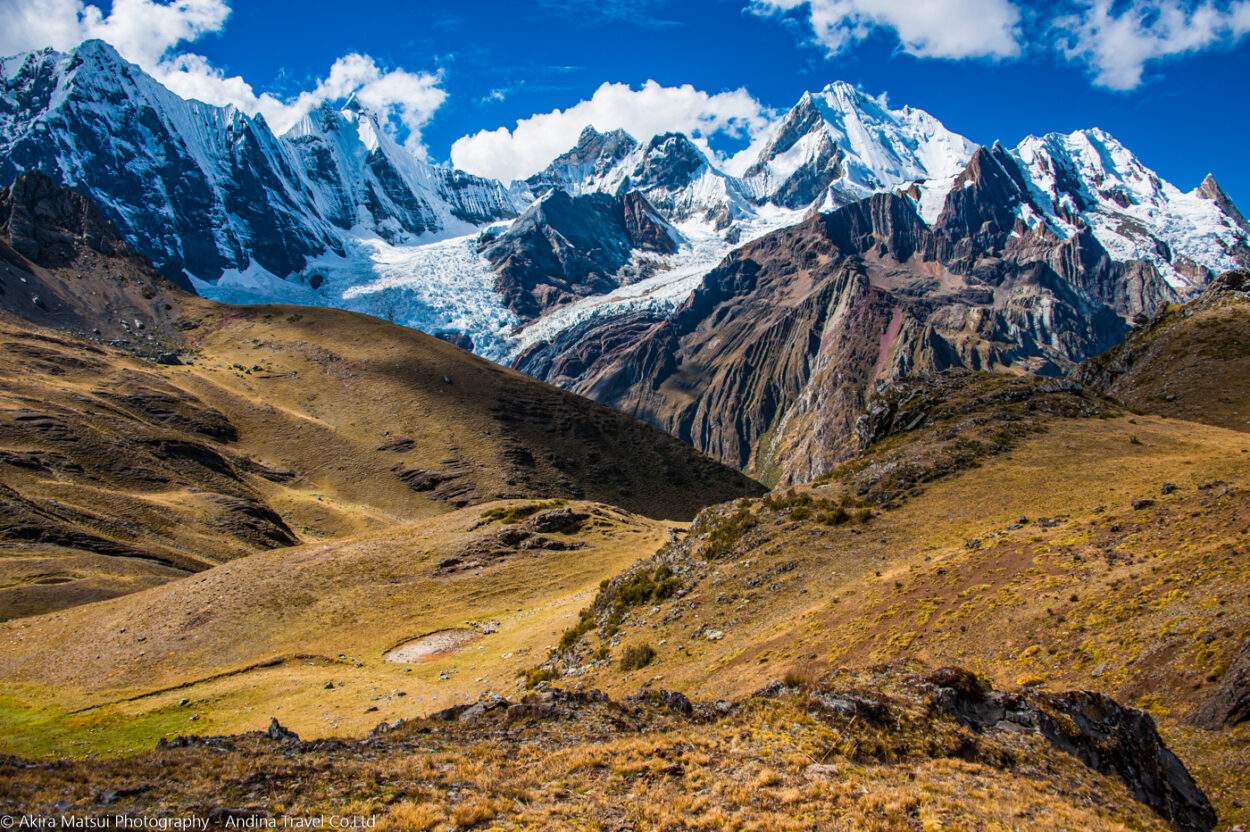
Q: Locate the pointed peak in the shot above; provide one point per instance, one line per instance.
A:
(1209, 187)
(1094, 136)
(1211, 190)
(326, 117)
(99, 50)
(804, 109)
(664, 138)
(361, 110)
(669, 143)
(618, 135)
(591, 140)
(843, 88)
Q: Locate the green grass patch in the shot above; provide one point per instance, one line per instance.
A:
(45, 732)
(510, 515)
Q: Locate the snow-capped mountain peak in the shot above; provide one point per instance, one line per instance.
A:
(1088, 178)
(585, 165)
(840, 145)
(207, 190)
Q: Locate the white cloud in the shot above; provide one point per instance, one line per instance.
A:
(1117, 47)
(950, 29)
(409, 99)
(143, 31)
(147, 32)
(531, 145)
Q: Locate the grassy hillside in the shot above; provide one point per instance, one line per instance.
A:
(304, 632)
(1104, 552)
(567, 761)
(285, 425)
(1189, 361)
(1037, 535)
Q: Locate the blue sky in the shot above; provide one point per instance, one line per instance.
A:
(1169, 78)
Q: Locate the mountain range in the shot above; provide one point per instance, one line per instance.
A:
(861, 243)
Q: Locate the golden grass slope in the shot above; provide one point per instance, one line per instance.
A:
(285, 425)
(302, 632)
(1037, 565)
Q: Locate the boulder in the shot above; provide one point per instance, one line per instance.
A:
(564, 520)
(278, 732)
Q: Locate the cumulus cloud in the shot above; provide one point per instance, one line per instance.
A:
(931, 29)
(1117, 46)
(531, 145)
(141, 30)
(1114, 39)
(406, 99)
(149, 33)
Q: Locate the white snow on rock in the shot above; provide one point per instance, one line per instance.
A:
(1132, 212)
(681, 273)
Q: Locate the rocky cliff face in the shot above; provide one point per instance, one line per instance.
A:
(773, 357)
(196, 188)
(565, 247)
(62, 264)
(359, 176)
(203, 189)
(1034, 258)
(984, 231)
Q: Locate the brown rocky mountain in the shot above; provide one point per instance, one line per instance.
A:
(257, 427)
(770, 362)
(62, 264)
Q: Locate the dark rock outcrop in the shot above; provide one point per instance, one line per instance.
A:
(47, 223)
(1092, 727)
(278, 732)
(564, 520)
(64, 265)
(448, 483)
(565, 247)
(252, 521)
